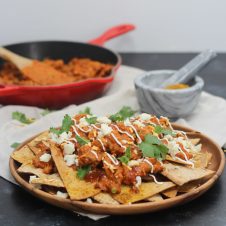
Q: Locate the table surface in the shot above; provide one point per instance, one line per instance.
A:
(17, 207)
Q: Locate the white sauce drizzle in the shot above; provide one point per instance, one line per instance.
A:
(101, 144)
(134, 129)
(111, 167)
(150, 164)
(75, 131)
(157, 182)
(113, 159)
(124, 132)
(94, 153)
(95, 127)
(85, 131)
(117, 141)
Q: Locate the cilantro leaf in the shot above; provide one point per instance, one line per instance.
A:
(21, 117)
(86, 111)
(45, 112)
(66, 124)
(81, 140)
(152, 147)
(126, 157)
(91, 120)
(159, 130)
(152, 139)
(15, 145)
(123, 114)
(83, 171)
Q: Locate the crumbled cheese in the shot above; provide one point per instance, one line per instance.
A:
(139, 123)
(138, 181)
(83, 122)
(89, 200)
(104, 130)
(127, 122)
(32, 178)
(104, 119)
(173, 148)
(145, 116)
(132, 163)
(69, 148)
(61, 138)
(63, 195)
(70, 159)
(45, 157)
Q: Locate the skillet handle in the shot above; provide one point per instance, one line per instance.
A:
(112, 33)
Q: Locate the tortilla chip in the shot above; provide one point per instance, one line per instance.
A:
(155, 198)
(188, 187)
(46, 179)
(23, 155)
(181, 174)
(202, 159)
(146, 190)
(195, 141)
(105, 198)
(170, 193)
(32, 144)
(76, 188)
(169, 158)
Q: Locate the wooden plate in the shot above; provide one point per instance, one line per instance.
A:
(217, 164)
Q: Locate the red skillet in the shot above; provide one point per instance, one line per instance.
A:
(58, 96)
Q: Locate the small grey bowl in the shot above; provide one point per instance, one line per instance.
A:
(163, 102)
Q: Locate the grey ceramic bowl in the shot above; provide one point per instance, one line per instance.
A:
(163, 102)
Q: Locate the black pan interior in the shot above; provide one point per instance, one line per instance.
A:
(63, 50)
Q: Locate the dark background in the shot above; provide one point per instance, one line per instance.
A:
(17, 207)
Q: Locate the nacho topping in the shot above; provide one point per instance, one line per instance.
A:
(117, 159)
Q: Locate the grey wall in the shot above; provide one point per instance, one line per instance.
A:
(162, 25)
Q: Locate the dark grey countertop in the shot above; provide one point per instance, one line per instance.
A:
(17, 207)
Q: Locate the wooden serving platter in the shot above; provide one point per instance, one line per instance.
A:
(217, 164)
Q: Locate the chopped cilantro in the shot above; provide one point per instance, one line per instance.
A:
(81, 140)
(86, 111)
(45, 112)
(159, 130)
(126, 157)
(83, 171)
(153, 147)
(91, 120)
(66, 124)
(113, 190)
(123, 114)
(15, 145)
(21, 117)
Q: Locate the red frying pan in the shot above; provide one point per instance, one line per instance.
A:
(58, 96)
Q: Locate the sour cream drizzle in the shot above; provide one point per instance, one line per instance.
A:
(101, 144)
(75, 131)
(94, 153)
(150, 164)
(154, 178)
(113, 159)
(135, 131)
(123, 132)
(117, 141)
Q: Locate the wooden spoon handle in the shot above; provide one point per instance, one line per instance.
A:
(16, 59)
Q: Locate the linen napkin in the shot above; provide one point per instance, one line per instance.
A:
(207, 117)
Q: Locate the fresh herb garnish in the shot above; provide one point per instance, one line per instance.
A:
(21, 117)
(91, 120)
(123, 114)
(87, 111)
(113, 190)
(66, 124)
(83, 171)
(15, 145)
(153, 147)
(45, 112)
(126, 157)
(81, 140)
(159, 130)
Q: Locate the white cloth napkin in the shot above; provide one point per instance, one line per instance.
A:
(208, 117)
